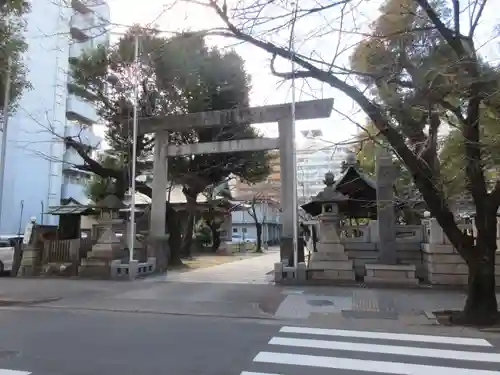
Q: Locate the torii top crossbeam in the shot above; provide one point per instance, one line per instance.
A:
(305, 110)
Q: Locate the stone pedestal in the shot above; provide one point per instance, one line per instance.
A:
(158, 248)
(330, 261)
(286, 250)
(399, 274)
(30, 262)
(107, 249)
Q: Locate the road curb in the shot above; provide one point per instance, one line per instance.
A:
(432, 317)
(152, 312)
(27, 302)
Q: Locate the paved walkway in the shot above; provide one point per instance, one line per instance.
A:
(255, 270)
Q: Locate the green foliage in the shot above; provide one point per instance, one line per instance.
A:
(99, 187)
(202, 233)
(365, 149)
(177, 75)
(419, 82)
(453, 159)
(12, 44)
(407, 64)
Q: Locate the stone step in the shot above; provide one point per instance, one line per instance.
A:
(332, 265)
(389, 280)
(94, 272)
(390, 271)
(344, 275)
(329, 256)
(330, 248)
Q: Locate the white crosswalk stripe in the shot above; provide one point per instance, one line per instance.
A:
(296, 349)
(13, 372)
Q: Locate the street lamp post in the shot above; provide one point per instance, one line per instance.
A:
(134, 156)
(6, 114)
(294, 150)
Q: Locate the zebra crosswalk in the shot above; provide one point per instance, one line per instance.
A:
(319, 351)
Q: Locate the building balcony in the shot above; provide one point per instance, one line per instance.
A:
(77, 49)
(89, 6)
(81, 6)
(84, 135)
(87, 26)
(71, 158)
(75, 186)
(81, 110)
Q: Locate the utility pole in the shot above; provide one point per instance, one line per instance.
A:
(134, 156)
(6, 114)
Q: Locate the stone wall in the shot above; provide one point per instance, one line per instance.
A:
(361, 245)
(442, 263)
(444, 266)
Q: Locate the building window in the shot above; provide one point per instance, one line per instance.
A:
(244, 230)
(235, 230)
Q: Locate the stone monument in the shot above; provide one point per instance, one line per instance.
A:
(330, 261)
(387, 270)
(32, 251)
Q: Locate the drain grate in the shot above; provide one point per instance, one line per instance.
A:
(352, 314)
(5, 354)
(320, 302)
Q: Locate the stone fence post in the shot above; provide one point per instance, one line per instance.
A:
(436, 234)
(373, 231)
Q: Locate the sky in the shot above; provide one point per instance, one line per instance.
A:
(267, 89)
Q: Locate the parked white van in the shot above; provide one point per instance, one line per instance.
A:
(6, 256)
(7, 249)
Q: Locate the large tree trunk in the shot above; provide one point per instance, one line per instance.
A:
(215, 235)
(174, 239)
(188, 234)
(258, 227)
(481, 307)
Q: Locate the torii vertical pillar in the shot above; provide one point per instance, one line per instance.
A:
(159, 193)
(288, 188)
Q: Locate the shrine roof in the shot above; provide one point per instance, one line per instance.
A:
(354, 192)
(71, 208)
(356, 184)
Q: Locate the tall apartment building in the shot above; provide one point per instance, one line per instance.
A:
(39, 169)
(270, 188)
(316, 157)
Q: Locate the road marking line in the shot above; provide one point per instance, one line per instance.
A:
(387, 349)
(256, 373)
(398, 368)
(13, 372)
(387, 336)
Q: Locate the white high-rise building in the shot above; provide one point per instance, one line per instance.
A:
(39, 170)
(316, 157)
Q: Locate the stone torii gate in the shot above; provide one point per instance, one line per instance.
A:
(281, 113)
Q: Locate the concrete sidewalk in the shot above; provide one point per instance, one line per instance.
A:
(366, 308)
(255, 270)
(20, 291)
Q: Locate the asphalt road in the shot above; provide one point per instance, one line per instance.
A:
(92, 343)
(56, 342)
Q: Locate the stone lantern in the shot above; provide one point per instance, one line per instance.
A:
(331, 261)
